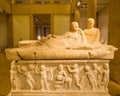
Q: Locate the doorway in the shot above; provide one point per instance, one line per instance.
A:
(42, 25)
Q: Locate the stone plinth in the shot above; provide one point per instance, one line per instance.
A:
(59, 77)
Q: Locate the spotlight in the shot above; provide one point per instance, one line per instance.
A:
(1, 10)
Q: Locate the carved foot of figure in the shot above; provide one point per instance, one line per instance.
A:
(80, 88)
(31, 88)
(106, 89)
(45, 89)
(93, 89)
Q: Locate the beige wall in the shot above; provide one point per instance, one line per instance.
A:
(21, 28)
(114, 38)
(41, 8)
(103, 17)
(3, 31)
(61, 24)
(83, 21)
(5, 5)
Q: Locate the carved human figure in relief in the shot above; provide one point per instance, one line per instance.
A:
(105, 76)
(14, 76)
(97, 73)
(90, 77)
(28, 76)
(75, 73)
(32, 68)
(62, 76)
(43, 77)
(92, 34)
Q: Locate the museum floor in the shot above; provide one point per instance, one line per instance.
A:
(5, 87)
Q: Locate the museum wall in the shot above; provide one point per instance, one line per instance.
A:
(5, 5)
(3, 31)
(21, 28)
(114, 38)
(83, 20)
(61, 24)
(103, 19)
(41, 8)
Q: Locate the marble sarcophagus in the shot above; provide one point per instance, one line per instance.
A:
(60, 66)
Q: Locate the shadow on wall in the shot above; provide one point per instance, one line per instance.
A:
(4, 75)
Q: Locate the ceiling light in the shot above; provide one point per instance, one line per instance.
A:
(78, 3)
